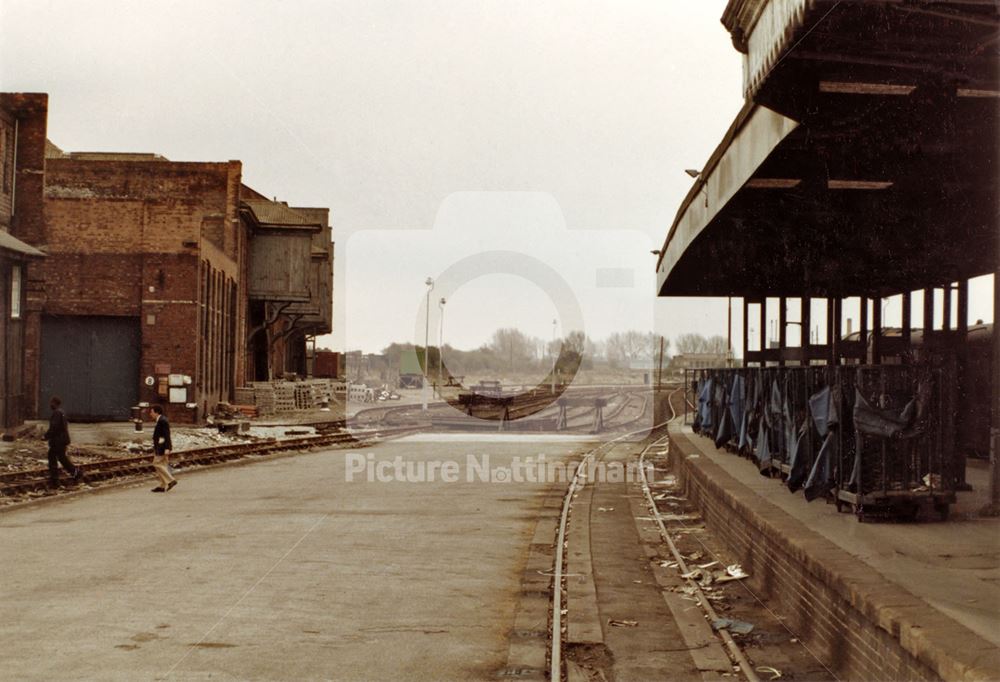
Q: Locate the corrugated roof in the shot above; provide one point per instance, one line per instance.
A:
(276, 214)
(52, 151)
(12, 243)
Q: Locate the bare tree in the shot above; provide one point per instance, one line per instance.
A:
(691, 343)
(717, 344)
(512, 346)
(696, 343)
(576, 341)
(624, 347)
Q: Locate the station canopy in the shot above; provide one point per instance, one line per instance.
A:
(865, 161)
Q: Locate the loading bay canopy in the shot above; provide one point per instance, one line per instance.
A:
(866, 163)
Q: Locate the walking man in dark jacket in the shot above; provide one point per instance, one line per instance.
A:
(58, 437)
(161, 451)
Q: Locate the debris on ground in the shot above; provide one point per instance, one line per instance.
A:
(733, 572)
(680, 517)
(737, 627)
(622, 623)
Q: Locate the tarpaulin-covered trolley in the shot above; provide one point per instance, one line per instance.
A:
(870, 438)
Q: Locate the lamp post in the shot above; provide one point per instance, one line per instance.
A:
(555, 356)
(427, 332)
(441, 345)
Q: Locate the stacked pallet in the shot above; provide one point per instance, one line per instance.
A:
(303, 396)
(244, 396)
(322, 392)
(264, 397)
(271, 397)
(284, 396)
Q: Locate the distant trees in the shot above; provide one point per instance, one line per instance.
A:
(511, 351)
(696, 343)
(622, 348)
(513, 346)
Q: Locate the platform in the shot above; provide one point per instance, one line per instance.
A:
(880, 600)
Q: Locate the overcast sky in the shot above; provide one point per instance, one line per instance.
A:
(543, 143)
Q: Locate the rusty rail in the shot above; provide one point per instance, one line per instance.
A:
(33, 480)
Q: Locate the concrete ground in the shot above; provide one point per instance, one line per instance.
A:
(954, 565)
(277, 570)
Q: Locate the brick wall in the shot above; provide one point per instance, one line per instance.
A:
(31, 112)
(862, 626)
(130, 236)
(25, 119)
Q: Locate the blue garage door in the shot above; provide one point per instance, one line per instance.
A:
(92, 363)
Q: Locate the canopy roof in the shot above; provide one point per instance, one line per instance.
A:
(867, 164)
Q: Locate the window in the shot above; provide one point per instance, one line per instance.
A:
(15, 291)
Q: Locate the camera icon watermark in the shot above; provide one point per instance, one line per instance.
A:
(529, 303)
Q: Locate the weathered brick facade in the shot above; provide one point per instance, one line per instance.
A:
(124, 278)
(290, 283)
(161, 242)
(23, 119)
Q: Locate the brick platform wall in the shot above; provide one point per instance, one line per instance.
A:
(860, 625)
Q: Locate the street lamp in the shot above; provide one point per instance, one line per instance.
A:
(427, 332)
(555, 356)
(441, 345)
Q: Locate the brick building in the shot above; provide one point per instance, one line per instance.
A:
(290, 284)
(22, 147)
(128, 278)
(145, 296)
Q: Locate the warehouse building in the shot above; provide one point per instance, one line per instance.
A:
(145, 292)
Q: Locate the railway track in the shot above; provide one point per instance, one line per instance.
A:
(731, 646)
(560, 610)
(13, 484)
(526, 413)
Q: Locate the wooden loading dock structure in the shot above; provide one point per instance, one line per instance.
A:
(863, 164)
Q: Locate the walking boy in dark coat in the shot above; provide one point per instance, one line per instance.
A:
(161, 451)
(58, 437)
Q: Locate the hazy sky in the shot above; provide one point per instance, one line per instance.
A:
(543, 143)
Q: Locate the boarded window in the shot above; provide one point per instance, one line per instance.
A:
(15, 291)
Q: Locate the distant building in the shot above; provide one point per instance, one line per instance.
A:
(411, 372)
(683, 361)
(327, 364)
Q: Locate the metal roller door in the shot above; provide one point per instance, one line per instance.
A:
(92, 363)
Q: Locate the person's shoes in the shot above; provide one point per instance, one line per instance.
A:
(78, 474)
(171, 485)
(157, 489)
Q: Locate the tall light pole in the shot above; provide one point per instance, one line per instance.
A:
(441, 345)
(729, 331)
(427, 332)
(555, 356)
